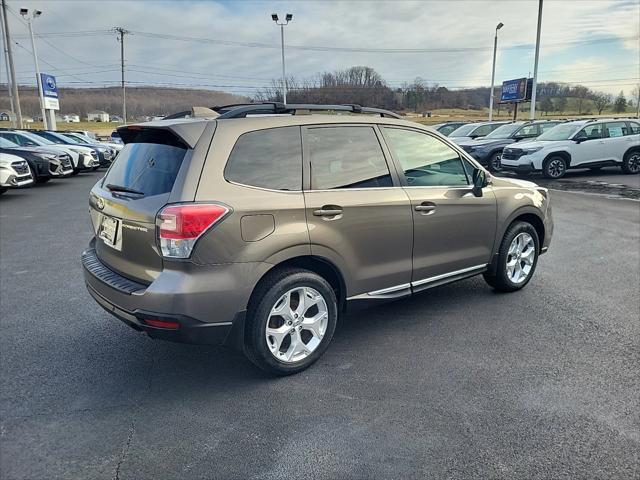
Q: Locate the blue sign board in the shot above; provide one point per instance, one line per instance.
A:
(50, 91)
(514, 90)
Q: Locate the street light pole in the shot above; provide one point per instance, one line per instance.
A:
(12, 70)
(288, 18)
(36, 13)
(532, 115)
(122, 32)
(6, 63)
(493, 69)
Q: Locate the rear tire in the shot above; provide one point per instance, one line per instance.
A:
(299, 308)
(517, 260)
(631, 162)
(2, 190)
(554, 167)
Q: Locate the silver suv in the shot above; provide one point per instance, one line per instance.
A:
(581, 144)
(257, 225)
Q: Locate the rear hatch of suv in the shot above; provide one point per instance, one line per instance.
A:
(124, 204)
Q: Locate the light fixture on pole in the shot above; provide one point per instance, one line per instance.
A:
(36, 13)
(493, 69)
(288, 18)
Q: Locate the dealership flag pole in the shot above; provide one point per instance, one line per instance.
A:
(532, 116)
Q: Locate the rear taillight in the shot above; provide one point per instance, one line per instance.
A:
(180, 226)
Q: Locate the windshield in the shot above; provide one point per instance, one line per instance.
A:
(4, 143)
(505, 131)
(37, 139)
(464, 130)
(559, 132)
(80, 138)
(71, 138)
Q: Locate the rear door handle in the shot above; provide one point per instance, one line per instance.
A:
(328, 211)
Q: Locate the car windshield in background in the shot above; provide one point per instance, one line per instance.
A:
(559, 132)
(463, 131)
(37, 139)
(505, 131)
(148, 168)
(4, 143)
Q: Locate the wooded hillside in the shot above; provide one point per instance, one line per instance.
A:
(141, 101)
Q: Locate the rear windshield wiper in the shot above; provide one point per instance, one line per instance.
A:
(120, 188)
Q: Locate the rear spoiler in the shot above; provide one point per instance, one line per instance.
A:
(186, 131)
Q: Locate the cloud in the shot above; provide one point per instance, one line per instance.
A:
(93, 60)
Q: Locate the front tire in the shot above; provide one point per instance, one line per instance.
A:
(42, 179)
(494, 163)
(517, 258)
(290, 321)
(554, 167)
(631, 162)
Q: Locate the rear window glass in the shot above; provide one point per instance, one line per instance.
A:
(269, 158)
(150, 168)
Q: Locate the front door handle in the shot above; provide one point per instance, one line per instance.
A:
(328, 211)
(425, 208)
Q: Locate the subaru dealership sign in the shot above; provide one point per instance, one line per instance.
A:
(50, 92)
(514, 90)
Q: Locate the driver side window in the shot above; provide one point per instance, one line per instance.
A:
(590, 132)
(426, 161)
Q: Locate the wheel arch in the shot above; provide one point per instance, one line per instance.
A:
(314, 263)
(632, 148)
(560, 153)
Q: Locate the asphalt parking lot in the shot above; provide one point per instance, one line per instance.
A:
(459, 382)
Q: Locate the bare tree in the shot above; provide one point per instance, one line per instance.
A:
(601, 101)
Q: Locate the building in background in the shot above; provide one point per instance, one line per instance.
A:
(98, 116)
(68, 118)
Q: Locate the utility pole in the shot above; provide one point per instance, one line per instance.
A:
(493, 69)
(122, 32)
(12, 69)
(25, 13)
(6, 64)
(532, 115)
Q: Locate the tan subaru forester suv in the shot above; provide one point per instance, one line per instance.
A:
(258, 225)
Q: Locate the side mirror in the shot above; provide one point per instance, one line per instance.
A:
(580, 137)
(480, 181)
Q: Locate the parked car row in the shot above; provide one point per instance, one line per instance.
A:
(552, 147)
(37, 156)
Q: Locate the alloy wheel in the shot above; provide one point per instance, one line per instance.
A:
(520, 257)
(633, 163)
(556, 168)
(496, 164)
(296, 324)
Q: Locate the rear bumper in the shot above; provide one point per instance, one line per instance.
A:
(207, 301)
(190, 330)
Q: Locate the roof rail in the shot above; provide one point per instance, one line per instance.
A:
(267, 108)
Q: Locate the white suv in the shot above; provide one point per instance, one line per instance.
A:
(580, 144)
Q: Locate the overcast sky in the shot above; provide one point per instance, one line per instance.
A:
(593, 42)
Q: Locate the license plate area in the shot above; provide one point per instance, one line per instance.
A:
(109, 232)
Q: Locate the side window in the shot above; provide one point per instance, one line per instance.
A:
(346, 157)
(528, 131)
(425, 160)
(634, 128)
(11, 137)
(484, 130)
(268, 159)
(591, 132)
(615, 129)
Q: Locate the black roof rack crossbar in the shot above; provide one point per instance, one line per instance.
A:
(266, 108)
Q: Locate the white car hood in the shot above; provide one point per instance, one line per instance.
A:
(538, 144)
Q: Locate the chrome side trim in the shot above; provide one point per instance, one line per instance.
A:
(391, 292)
(448, 275)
